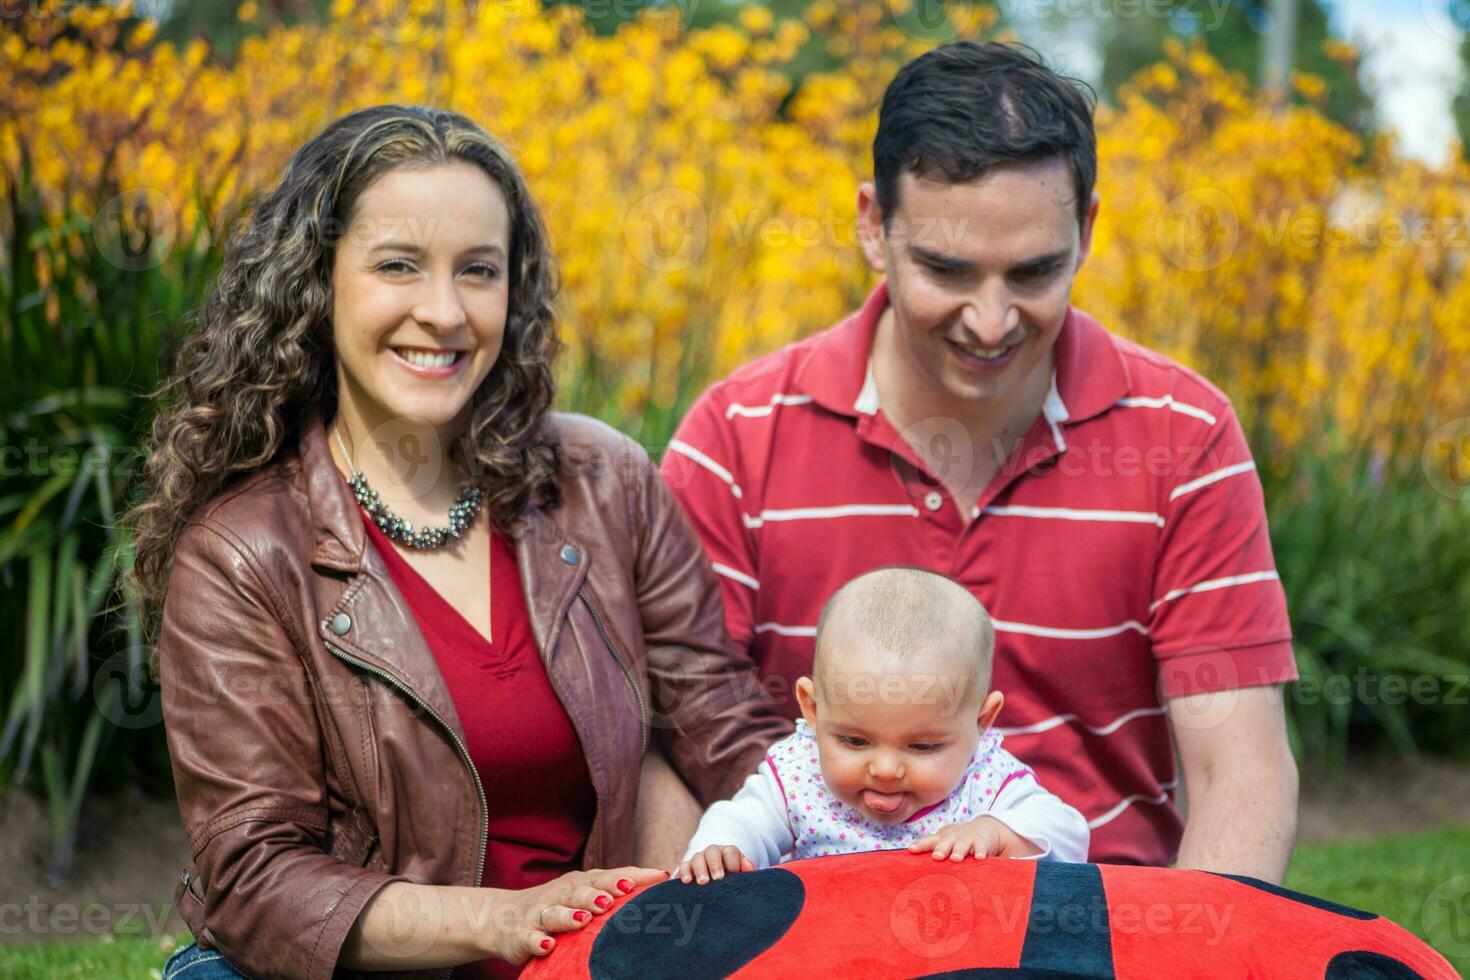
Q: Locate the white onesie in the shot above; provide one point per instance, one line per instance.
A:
(785, 810)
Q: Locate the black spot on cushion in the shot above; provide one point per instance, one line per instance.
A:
(684, 931)
(1363, 965)
(1312, 900)
(1005, 973)
(1067, 930)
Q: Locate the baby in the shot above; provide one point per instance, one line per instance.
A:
(895, 747)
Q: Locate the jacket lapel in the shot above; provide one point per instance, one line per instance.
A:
(369, 620)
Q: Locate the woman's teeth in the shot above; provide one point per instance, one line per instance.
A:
(425, 359)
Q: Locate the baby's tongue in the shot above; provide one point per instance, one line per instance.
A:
(882, 802)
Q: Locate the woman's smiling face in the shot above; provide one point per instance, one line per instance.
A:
(420, 293)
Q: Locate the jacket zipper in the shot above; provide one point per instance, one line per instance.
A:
(627, 673)
(459, 743)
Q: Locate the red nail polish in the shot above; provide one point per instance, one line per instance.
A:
(546, 944)
(625, 885)
(603, 901)
(581, 915)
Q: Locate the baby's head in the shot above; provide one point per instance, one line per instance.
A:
(899, 693)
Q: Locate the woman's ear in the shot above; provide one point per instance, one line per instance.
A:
(994, 701)
(806, 697)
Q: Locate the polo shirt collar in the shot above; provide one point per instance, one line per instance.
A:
(1088, 377)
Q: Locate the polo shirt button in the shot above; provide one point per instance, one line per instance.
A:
(933, 500)
(341, 623)
(570, 555)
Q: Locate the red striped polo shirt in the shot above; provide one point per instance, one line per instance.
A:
(1122, 549)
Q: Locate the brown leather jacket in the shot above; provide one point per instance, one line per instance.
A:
(316, 750)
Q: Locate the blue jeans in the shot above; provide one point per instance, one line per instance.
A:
(192, 963)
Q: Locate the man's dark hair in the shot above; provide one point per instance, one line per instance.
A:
(957, 111)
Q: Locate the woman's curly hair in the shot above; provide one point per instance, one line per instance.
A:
(236, 391)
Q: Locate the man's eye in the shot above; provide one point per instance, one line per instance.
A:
(1038, 274)
(942, 271)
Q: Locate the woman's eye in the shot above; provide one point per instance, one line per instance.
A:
(484, 271)
(394, 266)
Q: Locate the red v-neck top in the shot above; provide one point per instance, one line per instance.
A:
(539, 794)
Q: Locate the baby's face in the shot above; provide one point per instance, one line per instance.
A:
(892, 743)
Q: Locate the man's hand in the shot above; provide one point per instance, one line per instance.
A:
(984, 837)
(713, 862)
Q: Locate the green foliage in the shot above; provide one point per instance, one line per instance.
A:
(1376, 567)
(1234, 34)
(1460, 106)
(76, 355)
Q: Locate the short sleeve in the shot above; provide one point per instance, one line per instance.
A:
(1218, 618)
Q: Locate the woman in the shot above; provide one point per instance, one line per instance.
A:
(397, 735)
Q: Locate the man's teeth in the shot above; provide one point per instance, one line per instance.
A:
(984, 355)
(420, 358)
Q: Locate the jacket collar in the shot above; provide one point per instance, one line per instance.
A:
(338, 535)
(549, 578)
(1089, 375)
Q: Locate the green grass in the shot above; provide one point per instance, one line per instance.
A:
(1393, 876)
(123, 957)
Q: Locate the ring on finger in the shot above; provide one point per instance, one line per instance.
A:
(541, 917)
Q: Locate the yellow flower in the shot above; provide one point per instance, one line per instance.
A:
(756, 18)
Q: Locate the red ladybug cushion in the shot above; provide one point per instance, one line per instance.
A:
(894, 914)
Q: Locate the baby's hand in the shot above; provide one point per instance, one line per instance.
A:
(984, 837)
(713, 862)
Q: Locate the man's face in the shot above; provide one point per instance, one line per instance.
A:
(979, 274)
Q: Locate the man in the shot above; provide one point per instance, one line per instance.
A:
(1099, 499)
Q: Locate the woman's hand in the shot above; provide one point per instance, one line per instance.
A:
(527, 920)
(713, 862)
(984, 837)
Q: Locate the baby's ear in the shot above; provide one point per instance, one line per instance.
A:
(994, 701)
(806, 698)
